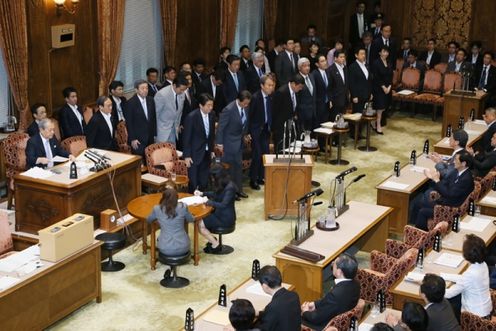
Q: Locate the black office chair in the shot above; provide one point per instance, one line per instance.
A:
(112, 241)
(171, 279)
(225, 249)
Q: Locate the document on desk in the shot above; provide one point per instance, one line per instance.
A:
(454, 278)
(60, 159)
(475, 224)
(406, 92)
(472, 132)
(394, 185)
(256, 288)
(481, 122)
(414, 277)
(14, 262)
(323, 130)
(37, 172)
(418, 169)
(193, 200)
(217, 315)
(365, 327)
(449, 260)
(329, 125)
(489, 200)
(7, 281)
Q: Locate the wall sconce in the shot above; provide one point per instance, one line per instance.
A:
(61, 6)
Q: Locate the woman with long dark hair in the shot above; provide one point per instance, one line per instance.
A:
(173, 239)
(222, 199)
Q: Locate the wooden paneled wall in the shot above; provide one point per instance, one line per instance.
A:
(51, 70)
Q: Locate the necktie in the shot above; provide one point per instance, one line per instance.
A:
(293, 100)
(206, 124)
(177, 104)
(268, 112)
(236, 82)
(259, 72)
(482, 81)
(48, 152)
(387, 42)
(243, 117)
(309, 85)
(155, 88)
(324, 77)
(292, 61)
(405, 54)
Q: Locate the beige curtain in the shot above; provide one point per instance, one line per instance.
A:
(228, 18)
(111, 27)
(14, 45)
(270, 18)
(169, 26)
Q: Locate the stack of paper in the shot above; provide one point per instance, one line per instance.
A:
(394, 185)
(475, 224)
(15, 261)
(217, 315)
(329, 125)
(154, 178)
(194, 200)
(256, 288)
(406, 92)
(37, 172)
(6, 282)
(365, 327)
(481, 122)
(449, 260)
(418, 169)
(414, 276)
(323, 130)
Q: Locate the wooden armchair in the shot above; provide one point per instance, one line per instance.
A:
(433, 85)
(441, 67)
(471, 321)
(14, 151)
(121, 138)
(74, 145)
(383, 273)
(162, 159)
(410, 79)
(416, 238)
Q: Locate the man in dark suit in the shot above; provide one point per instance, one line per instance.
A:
(476, 55)
(460, 64)
(365, 43)
(286, 63)
(338, 85)
(231, 135)
(412, 62)
(245, 57)
(39, 113)
(283, 312)
(152, 78)
(43, 147)
(311, 36)
(453, 189)
(141, 122)
(71, 119)
(453, 47)
(430, 57)
(343, 296)
(198, 73)
(213, 85)
(272, 55)
(490, 119)
(485, 79)
(234, 81)
(384, 40)
(260, 126)
(405, 49)
(361, 86)
(306, 98)
(198, 142)
(116, 89)
(100, 131)
(439, 310)
(285, 103)
(322, 91)
(484, 164)
(376, 26)
(169, 73)
(255, 72)
(358, 23)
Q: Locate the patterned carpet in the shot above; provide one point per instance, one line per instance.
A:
(133, 298)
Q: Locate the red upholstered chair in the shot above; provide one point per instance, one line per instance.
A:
(121, 138)
(441, 67)
(471, 322)
(56, 128)
(410, 80)
(342, 321)
(6, 242)
(161, 159)
(74, 145)
(246, 162)
(433, 85)
(396, 78)
(447, 213)
(399, 64)
(486, 183)
(14, 151)
(384, 271)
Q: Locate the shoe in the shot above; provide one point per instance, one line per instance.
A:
(379, 132)
(167, 273)
(211, 250)
(261, 182)
(254, 185)
(243, 195)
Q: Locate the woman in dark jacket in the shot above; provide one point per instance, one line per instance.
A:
(382, 73)
(224, 214)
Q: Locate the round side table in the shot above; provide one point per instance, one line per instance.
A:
(341, 132)
(314, 151)
(367, 147)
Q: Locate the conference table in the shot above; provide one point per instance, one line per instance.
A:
(482, 226)
(396, 192)
(364, 226)
(142, 206)
(488, 203)
(475, 130)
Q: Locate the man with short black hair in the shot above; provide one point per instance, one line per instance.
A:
(311, 36)
(431, 57)
(283, 312)
(152, 79)
(116, 90)
(384, 40)
(358, 23)
(245, 56)
(169, 74)
(343, 297)
(453, 47)
(286, 63)
(71, 120)
(39, 112)
(213, 85)
(198, 74)
(272, 55)
(485, 78)
(475, 54)
(234, 81)
(460, 64)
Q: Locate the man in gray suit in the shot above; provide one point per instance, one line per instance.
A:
(169, 103)
(231, 135)
(306, 108)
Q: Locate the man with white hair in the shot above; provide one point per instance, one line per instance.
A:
(255, 72)
(306, 98)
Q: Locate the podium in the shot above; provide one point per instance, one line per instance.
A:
(298, 179)
(460, 105)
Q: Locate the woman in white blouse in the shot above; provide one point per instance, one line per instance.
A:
(473, 284)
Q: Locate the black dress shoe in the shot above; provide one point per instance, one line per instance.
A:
(261, 182)
(238, 198)
(254, 185)
(243, 195)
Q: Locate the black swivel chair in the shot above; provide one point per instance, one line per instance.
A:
(225, 249)
(171, 279)
(112, 241)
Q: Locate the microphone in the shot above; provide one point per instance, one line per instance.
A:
(347, 172)
(356, 179)
(316, 192)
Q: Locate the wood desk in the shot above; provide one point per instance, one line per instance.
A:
(363, 225)
(475, 130)
(43, 202)
(457, 105)
(142, 206)
(399, 199)
(488, 203)
(404, 291)
(454, 241)
(298, 179)
(53, 291)
(369, 320)
(204, 321)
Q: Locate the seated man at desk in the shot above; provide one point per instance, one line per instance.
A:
(484, 164)
(458, 142)
(490, 119)
(43, 147)
(283, 312)
(343, 297)
(453, 189)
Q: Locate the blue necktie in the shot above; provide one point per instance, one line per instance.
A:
(482, 81)
(243, 117)
(236, 82)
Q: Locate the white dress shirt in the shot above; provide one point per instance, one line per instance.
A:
(143, 104)
(341, 71)
(293, 97)
(361, 27)
(458, 66)
(78, 114)
(429, 57)
(385, 41)
(214, 87)
(118, 103)
(206, 125)
(108, 120)
(364, 69)
(474, 58)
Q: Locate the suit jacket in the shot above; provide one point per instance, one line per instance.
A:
(231, 131)
(482, 167)
(361, 87)
(271, 56)
(282, 313)
(151, 91)
(338, 89)
(189, 105)
(465, 67)
(115, 115)
(435, 58)
(306, 102)
(98, 134)
(229, 87)
(486, 138)
(69, 123)
(354, 35)
(491, 79)
(375, 33)
(33, 128)
(257, 114)
(253, 79)
(453, 189)
(322, 95)
(284, 68)
(219, 101)
(168, 117)
(283, 111)
(342, 298)
(35, 149)
(401, 54)
(441, 317)
(195, 139)
(223, 202)
(478, 61)
(197, 80)
(140, 127)
(376, 46)
(243, 66)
